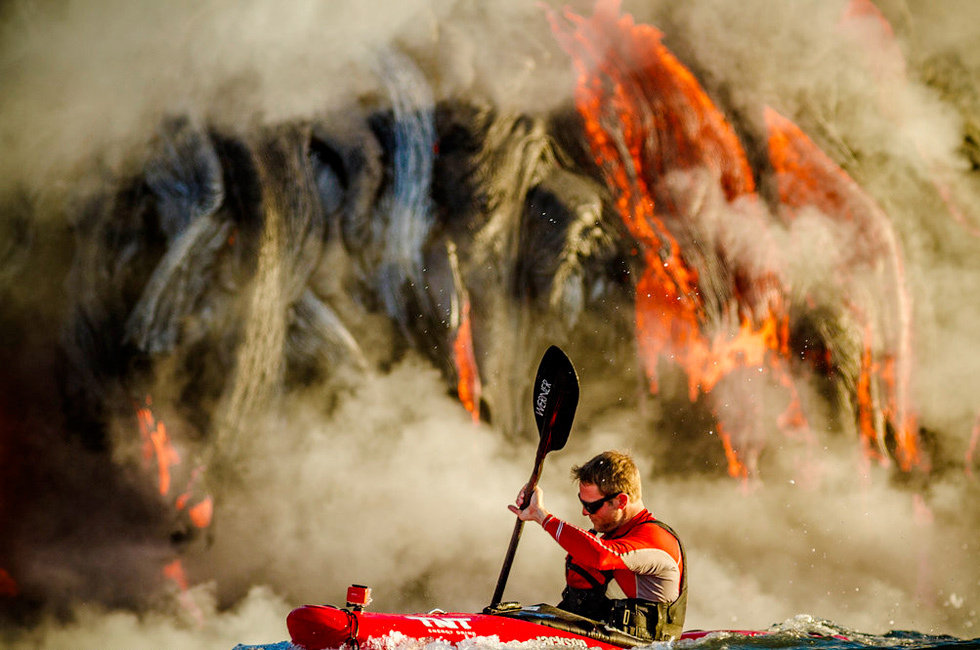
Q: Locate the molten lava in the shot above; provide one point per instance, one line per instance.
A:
(646, 117)
(468, 385)
(176, 574)
(808, 178)
(156, 443)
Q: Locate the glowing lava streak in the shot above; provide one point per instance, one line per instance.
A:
(633, 94)
(667, 301)
(468, 386)
(156, 444)
(646, 116)
(175, 572)
(807, 177)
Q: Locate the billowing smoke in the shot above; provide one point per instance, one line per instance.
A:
(249, 254)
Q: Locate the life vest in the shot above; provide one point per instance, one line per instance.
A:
(641, 618)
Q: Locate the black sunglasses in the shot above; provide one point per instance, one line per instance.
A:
(592, 507)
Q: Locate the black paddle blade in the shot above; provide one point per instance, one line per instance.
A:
(554, 398)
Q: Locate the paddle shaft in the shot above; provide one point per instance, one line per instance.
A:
(543, 449)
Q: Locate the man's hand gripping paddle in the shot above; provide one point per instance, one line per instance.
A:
(555, 396)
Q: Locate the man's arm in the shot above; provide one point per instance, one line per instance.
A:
(642, 550)
(636, 551)
(587, 549)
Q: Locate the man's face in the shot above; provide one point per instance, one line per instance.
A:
(610, 514)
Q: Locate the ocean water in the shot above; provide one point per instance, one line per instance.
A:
(798, 633)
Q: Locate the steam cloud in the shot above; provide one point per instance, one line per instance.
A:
(377, 475)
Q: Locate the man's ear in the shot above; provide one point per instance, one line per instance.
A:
(622, 500)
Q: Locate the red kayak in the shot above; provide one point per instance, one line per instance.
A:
(315, 627)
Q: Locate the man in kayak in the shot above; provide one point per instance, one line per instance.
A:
(629, 570)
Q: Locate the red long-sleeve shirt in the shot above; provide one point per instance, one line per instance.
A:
(645, 559)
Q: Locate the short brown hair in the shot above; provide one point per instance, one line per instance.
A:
(612, 472)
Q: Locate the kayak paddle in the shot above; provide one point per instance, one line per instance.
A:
(554, 398)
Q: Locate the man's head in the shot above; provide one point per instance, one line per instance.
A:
(612, 472)
(609, 489)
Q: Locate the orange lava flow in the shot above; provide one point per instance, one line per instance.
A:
(807, 177)
(175, 572)
(645, 116)
(468, 385)
(871, 442)
(157, 444)
(201, 513)
(736, 468)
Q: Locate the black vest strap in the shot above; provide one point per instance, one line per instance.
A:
(591, 579)
(590, 603)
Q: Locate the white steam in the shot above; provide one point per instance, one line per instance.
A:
(397, 488)
(93, 78)
(258, 617)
